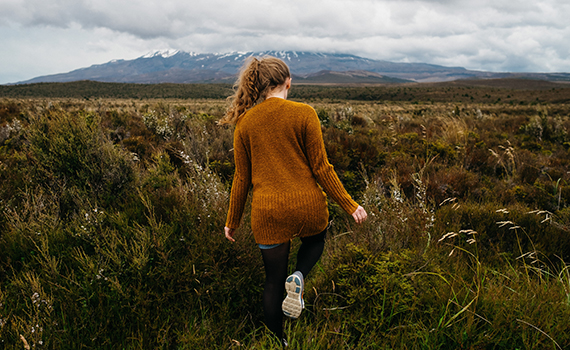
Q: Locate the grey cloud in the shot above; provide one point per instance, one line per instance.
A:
(320, 18)
(486, 34)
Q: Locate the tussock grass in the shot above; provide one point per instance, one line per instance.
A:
(111, 217)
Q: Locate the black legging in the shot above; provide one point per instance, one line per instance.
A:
(275, 261)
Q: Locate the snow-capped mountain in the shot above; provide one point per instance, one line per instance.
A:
(173, 66)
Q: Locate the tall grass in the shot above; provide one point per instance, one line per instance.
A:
(112, 215)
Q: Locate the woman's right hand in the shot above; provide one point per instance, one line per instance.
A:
(359, 215)
(229, 233)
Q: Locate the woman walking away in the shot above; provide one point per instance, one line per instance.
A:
(279, 149)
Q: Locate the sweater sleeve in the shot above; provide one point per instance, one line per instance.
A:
(320, 166)
(241, 182)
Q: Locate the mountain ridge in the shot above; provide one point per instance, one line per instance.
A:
(174, 66)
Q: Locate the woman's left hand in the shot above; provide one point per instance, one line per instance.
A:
(359, 215)
(229, 232)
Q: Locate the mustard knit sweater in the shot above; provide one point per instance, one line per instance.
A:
(279, 149)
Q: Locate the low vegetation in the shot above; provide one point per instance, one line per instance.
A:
(512, 92)
(112, 210)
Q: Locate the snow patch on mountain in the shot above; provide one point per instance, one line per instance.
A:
(161, 53)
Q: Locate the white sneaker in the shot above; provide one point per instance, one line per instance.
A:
(294, 303)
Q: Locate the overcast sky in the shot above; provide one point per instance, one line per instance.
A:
(41, 37)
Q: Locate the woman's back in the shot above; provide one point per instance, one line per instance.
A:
(274, 151)
(273, 134)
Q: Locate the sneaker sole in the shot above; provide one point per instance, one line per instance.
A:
(293, 303)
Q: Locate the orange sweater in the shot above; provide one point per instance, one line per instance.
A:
(279, 148)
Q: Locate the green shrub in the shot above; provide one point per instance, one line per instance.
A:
(375, 288)
(72, 160)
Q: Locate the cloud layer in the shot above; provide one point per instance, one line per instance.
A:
(51, 36)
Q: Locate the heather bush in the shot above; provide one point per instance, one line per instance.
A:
(72, 160)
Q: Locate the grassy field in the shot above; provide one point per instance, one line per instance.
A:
(112, 212)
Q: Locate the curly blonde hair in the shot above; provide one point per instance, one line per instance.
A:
(257, 78)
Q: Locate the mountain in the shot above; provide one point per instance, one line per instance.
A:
(306, 67)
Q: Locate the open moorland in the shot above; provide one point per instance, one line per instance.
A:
(113, 200)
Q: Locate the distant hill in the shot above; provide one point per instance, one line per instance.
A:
(328, 77)
(307, 68)
(504, 91)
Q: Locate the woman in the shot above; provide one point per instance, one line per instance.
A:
(279, 149)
